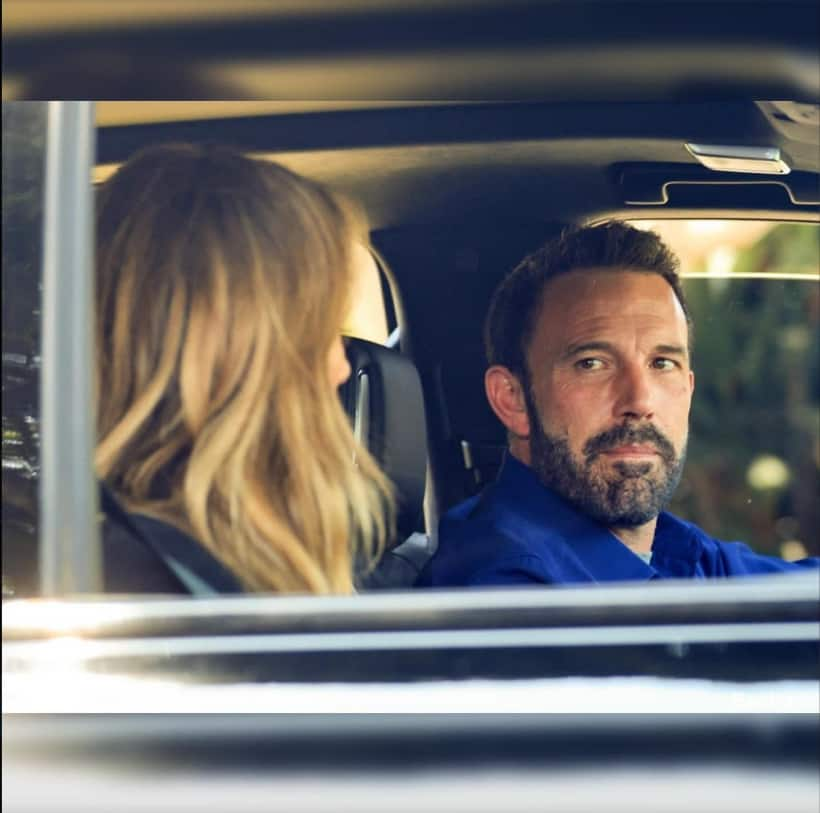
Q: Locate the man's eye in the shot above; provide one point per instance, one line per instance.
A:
(589, 364)
(664, 364)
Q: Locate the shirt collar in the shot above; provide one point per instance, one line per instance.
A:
(677, 546)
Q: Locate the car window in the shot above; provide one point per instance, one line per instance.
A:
(752, 285)
(753, 455)
(24, 128)
(367, 317)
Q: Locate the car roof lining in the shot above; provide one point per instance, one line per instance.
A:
(428, 163)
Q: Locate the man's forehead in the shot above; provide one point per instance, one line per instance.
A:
(603, 295)
(583, 287)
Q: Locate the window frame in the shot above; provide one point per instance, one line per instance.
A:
(70, 552)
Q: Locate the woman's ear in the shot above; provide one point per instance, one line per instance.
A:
(506, 397)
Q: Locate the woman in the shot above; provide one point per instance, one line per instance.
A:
(222, 286)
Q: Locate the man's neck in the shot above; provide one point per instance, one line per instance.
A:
(639, 539)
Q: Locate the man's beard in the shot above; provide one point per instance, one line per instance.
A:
(630, 495)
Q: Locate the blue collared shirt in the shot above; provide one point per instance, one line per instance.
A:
(519, 532)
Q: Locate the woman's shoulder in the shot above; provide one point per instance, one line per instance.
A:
(161, 559)
(130, 565)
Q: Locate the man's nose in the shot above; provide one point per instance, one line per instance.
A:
(634, 393)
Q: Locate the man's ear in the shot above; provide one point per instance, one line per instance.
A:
(506, 397)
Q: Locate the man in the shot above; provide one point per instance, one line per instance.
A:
(588, 342)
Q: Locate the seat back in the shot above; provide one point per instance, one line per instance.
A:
(383, 398)
(475, 438)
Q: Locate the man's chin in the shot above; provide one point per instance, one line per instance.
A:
(630, 522)
(626, 500)
(620, 515)
(623, 491)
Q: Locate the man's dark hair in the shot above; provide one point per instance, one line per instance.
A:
(516, 302)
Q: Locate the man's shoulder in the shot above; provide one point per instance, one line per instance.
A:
(477, 556)
(713, 557)
(505, 535)
(478, 546)
(482, 525)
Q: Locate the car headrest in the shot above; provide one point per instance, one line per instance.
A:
(384, 400)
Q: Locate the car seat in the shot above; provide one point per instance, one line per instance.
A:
(474, 438)
(384, 399)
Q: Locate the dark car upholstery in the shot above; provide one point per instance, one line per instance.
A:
(384, 399)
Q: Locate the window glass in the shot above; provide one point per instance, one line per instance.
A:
(24, 129)
(367, 317)
(753, 467)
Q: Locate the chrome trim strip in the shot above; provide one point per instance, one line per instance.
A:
(70, 556)
(68, 649)
(62, 617)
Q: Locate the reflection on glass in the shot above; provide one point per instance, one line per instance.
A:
(24, 126)
(66, 618)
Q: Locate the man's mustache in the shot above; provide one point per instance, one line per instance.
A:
(630, 435)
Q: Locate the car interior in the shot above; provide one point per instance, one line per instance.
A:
(456, 194)
(468, 143)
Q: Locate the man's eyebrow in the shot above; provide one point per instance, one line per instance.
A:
(671, 349)
(588, 347)
(608, 347)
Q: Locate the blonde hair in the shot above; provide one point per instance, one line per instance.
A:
(222, 285)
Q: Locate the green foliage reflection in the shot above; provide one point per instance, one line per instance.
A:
(754, 454)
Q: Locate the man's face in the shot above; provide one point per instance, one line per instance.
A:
(609, 395)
